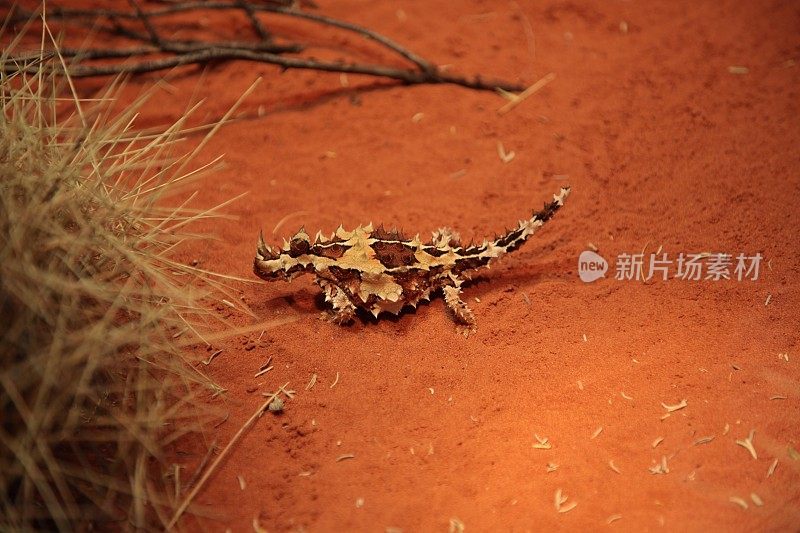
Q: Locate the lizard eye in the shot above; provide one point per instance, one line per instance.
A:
(299, 247)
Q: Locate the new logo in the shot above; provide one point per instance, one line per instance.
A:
(591, 266)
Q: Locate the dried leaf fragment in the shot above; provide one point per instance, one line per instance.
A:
(660, 468)
(772, 468)
(676, 407)
(560, 499)
(748, 444)
(505, 157)
(793, 454)
(456, 526)
(567, 508)
(542, 444)
(312, 382)
(738, 501)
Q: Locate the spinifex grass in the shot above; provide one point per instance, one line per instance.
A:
(94, 310)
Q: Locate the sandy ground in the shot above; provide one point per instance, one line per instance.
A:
(667, 149)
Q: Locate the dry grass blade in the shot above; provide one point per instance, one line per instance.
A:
(515, 99)
(96, 309)
(242, 430)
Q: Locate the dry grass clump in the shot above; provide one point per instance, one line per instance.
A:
(94, 310)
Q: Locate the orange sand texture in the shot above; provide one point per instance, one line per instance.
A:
(665, 147)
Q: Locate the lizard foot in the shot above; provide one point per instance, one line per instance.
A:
(461, 311)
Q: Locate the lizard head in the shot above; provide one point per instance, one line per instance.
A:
(285, 263)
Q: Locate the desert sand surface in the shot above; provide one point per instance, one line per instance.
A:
(676, 126)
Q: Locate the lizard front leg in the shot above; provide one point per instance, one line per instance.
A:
(343, 311)
(461, 311)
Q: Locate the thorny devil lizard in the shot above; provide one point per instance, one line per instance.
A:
(379, 270)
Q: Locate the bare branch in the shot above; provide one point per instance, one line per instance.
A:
(176, 53)
(58, 12)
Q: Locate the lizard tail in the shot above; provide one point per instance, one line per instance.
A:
(515, 238)
(481, 255)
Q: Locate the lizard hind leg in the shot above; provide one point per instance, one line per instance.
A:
(461, 311)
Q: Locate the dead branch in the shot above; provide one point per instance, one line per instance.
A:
(157, 53)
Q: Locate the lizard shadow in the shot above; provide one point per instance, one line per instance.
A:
(365, 318)
(306, 101)
(479, 286)
(491, 284)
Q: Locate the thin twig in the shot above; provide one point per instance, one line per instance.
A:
(411, 77)
(178, 47)
(369, 34)
(251, 14)
(151, 30)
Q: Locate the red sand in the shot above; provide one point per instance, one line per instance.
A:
(664, 148)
